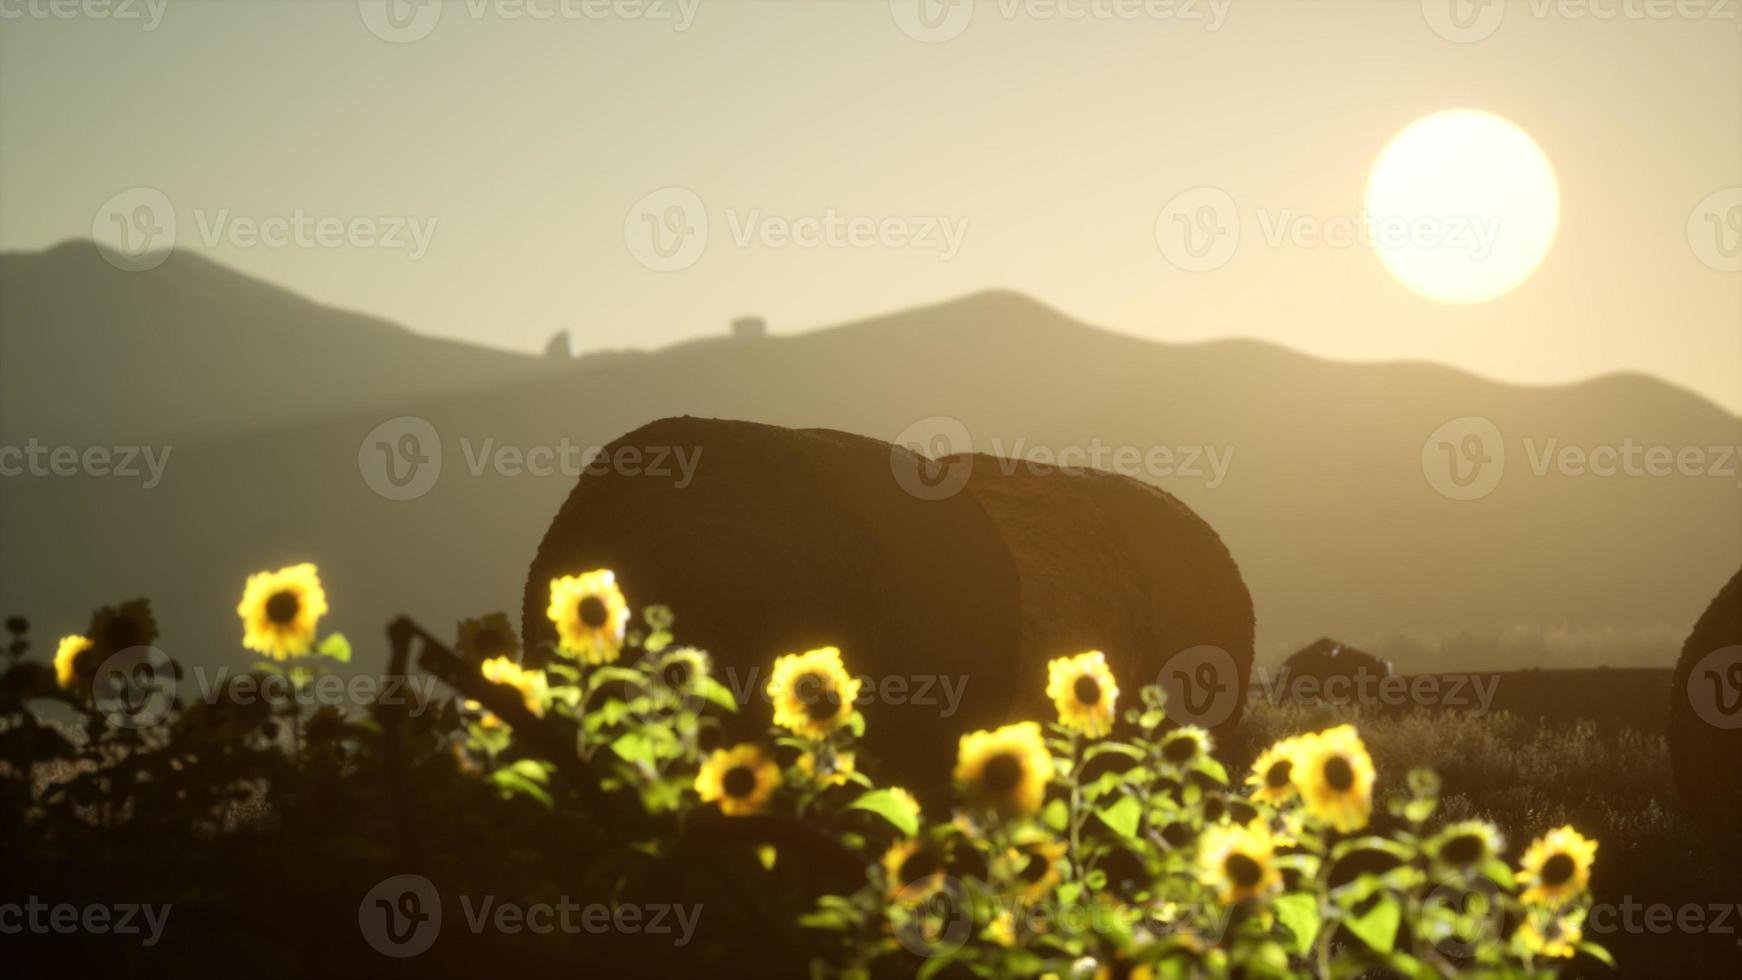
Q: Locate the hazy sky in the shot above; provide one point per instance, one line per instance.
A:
(1013, 146)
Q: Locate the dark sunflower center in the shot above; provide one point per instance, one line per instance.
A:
(1002, 774)
(1213, 809)
(283, 607)
(1276, 777)
(1338, 774)
(1087, 690)
(1464, 849)
(120, 633)
(675, 674)
(1036, 868)
(591, 612)
(489, 641)
(1179, 749)
(821, 700)
(1558, 870)
(1242, 870)
(1176, 834)
(739, 782)
(919, 864)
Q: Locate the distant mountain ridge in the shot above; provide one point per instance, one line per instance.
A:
(1324, 501)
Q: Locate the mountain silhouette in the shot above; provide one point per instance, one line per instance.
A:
(271, 406)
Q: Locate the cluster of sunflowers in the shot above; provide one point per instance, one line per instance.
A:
(1103, 844)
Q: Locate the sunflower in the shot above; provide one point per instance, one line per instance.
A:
(1037, 866)
(741, 779)
(1557, 937)
(1334, 775)
(484, 639)
(1083, 690)
(1184, 744)
(837, 767)
(683, 668)
(590, 615)
(70, 669)
(1238, 860)
(117, 628)
(1557, 866)
(1006, 769)
(913, 869)
(281, 609)
(1466, 844)
(531, 684)
(905, 800)
(812, 693)
(1270, 779)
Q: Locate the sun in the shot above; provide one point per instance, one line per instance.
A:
(1463, 206)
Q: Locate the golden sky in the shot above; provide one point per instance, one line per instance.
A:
(486, 173)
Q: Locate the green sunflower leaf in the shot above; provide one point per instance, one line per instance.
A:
(886, 805)
(1598, 952)
(1056, 816)
(1378, 927)
(717, 693)
(1299, 912)
(336, 647)
(1123, 816)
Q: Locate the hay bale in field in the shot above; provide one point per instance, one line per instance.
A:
(786, 540)
(1111, 563)
(1705, 727)
(791, 539)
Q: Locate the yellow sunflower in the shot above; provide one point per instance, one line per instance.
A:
(913, 869)
(683, 668)
(590, 614)
(1270, 779)
(812, 693)
(1083, 690)
(1037, 866)
(1238, 861)
(742, 779)
(1334, 775)
(1557, 866)
(491, 636)
(533, 687)
(905, 800)
(837, 767)
(1006, 769)
(1556, 937)
(281, 609)
(1466, 844)
(69, 667)
(1184, 744)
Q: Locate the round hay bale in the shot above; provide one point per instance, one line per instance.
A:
(786, 540)
(1111, 563)
(1705, 727)
(947, 597)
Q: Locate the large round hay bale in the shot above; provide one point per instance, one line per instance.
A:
(790, 539)
(786, 540)
(1705, 727)
(1111, 563)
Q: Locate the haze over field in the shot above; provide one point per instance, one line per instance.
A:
(1330, 482)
